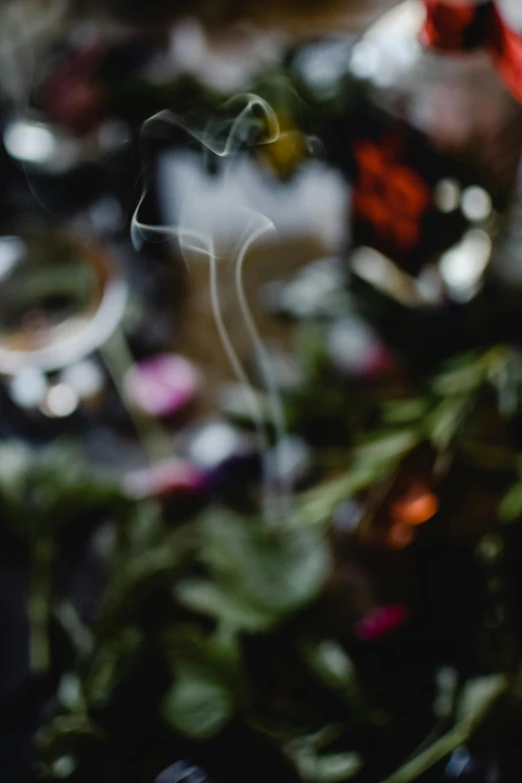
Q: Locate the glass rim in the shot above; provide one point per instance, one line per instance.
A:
(93, 327)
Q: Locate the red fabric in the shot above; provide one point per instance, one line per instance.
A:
(467, 26)
(446, 25)
(505, 47)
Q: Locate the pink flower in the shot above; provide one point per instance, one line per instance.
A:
(162, 385)
(381, 622)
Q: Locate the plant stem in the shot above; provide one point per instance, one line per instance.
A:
(457, 736)
(119, 361)
(39, 605)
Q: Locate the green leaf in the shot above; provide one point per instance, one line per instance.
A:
(274, 571)
(336, 767)
(404, 411)
(444, 422)
(330, 663)
(373, 461)
(463, 376)
(316, 506)
(197, 705)
(510, 507)
(208, 598)
(209, 681)
(321, 768)
(386, 447)
(476, 695)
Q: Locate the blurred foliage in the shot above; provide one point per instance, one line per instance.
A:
(231, 611)
(223, 621)
(224, 578)
(258, 575)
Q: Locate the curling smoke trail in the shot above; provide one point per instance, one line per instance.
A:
(267, 495)
(191, 241)
(265, 364)
(210, 133)
(223, 138)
